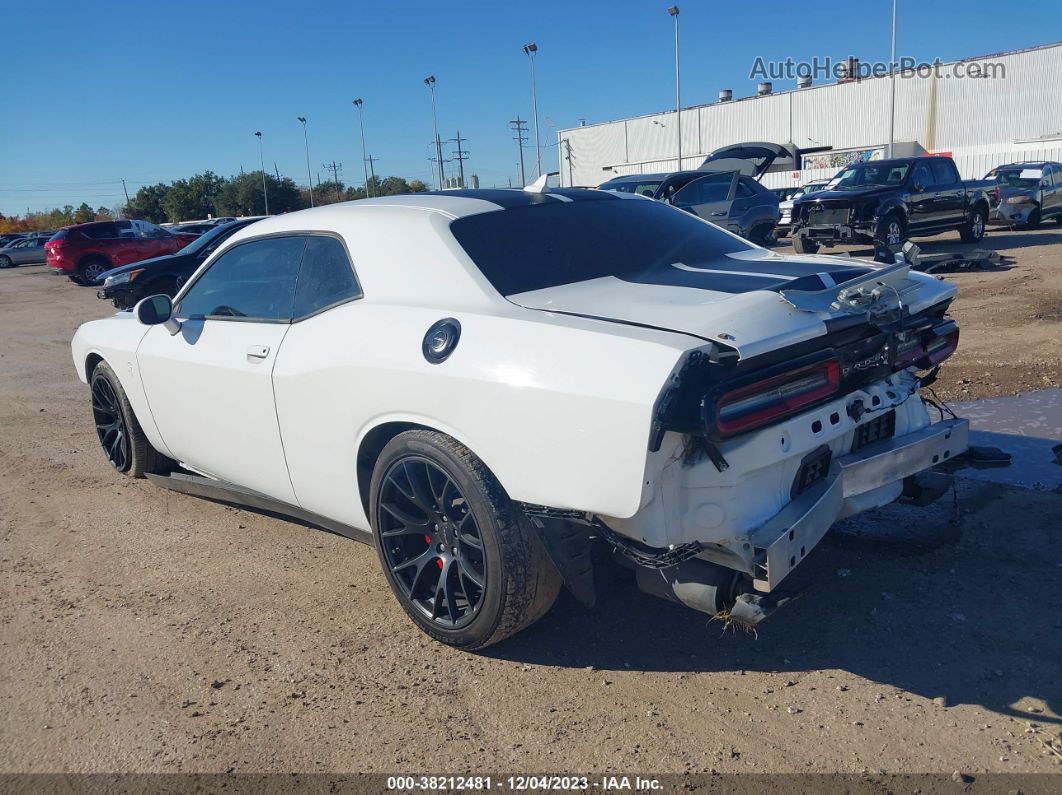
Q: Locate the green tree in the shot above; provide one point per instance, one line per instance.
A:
(242, 195)
(146, 205)
(193, 198)
(84, 214)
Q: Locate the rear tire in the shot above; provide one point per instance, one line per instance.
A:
(90, 268)
(763, 235)
(441, 523)
(120, 435)
(5, 262)
(801, 245)
(974, 229)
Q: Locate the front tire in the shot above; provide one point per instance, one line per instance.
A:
(1034, 219)
(120, 435)
(5, 262)
(459, 555)
(974, 229)
(891, 231)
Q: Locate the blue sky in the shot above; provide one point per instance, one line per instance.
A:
(156, 91)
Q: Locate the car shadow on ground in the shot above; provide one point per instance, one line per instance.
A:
(973, 619)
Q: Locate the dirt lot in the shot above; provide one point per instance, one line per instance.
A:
(142, 630)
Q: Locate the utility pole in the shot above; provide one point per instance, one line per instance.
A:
(892, 83)
(126, 192)
(568, 156)
(306, 140)
(276, 170)
(335, 167)
(372, 172)
(460, 156)
(261, 156)
(519, 128)
(529, 51)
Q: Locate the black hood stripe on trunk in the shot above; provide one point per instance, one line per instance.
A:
(722, 281)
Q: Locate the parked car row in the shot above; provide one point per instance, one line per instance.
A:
(880, 202)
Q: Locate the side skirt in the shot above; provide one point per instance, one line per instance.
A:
(231, 494)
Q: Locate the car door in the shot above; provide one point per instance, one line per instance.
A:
(922, 198)
(1051, 189)
(950, 204)
(323, 359)
(708, 197)
(210, 385)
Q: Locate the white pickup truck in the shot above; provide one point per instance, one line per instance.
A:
(480, 382)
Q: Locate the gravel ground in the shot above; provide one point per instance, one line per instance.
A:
(147, 631)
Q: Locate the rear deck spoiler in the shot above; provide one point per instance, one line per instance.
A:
(876, 293)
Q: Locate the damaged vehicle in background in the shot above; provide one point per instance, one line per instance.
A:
(884, 202)
(785, 222)
(1026, 193)
(484, 383)
(724, 190)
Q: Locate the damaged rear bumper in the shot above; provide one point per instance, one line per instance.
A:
(786, 539)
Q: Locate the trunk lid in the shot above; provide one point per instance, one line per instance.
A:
(754, 302)
(753, 159)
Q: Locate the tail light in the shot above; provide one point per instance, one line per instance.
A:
(765, 401)
(928, 349)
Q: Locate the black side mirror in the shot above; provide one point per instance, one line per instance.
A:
(157, 310)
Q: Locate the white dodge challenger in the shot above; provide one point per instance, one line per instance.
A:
(481, 383)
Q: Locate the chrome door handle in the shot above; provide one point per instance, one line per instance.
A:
(258, 352)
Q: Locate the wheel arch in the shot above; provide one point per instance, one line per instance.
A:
(91, 360)
(93, 255)
(376, 438)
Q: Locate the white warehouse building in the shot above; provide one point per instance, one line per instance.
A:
(1012, 114)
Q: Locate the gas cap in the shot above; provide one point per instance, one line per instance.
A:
(441, 340)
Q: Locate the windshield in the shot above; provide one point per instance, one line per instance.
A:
(211, 238)
(870, 174)
(1012, 178)
(547, 245)
(644, 187)
(813, 187)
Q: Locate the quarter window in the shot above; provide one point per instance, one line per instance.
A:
(326, 277)
(251, 281)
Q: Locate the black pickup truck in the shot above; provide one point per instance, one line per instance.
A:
(884, 202)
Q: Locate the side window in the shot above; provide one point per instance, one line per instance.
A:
(251, 281)
(326, 277)
(126, 229)
(943, 173)
(743, 189)
(714, 188)
(922, 175)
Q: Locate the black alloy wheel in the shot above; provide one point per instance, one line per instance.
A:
(110, 424)
(431, 542)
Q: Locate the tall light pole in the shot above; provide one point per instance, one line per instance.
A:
(364, 162)
(306, 140)
(529, 51)
(429, 81)
(892, 82)
(261, 156)
(674, 12)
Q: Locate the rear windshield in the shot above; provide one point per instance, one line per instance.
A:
(546, 245)
(644, 187)
(59, 235)
(1012, 178)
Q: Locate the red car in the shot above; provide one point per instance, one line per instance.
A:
(85, 251)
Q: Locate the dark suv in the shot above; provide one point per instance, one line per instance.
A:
(885, 201)
(1026, 193)
(724, 190)
(85, 251)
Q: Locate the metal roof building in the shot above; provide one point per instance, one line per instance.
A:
(1012, 113)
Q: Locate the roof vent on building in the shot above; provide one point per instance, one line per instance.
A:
(849, 70)
(804, 81)
(725, 95)
(763, 89)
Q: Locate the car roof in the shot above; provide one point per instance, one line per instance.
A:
(1028, 164)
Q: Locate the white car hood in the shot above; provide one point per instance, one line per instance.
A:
(752, 321)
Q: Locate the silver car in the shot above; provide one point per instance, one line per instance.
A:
(27, 251)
